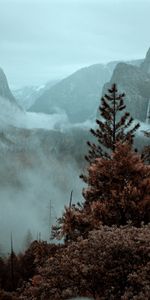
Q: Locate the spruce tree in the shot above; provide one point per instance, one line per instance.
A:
(114, 126)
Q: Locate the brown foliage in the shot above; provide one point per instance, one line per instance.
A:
(121, 185)
(118, 192)
(7, 296)
(146, 151)
(96, 260)
(111, 263)
(24, 265)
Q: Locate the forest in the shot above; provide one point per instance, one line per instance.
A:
(99, 248)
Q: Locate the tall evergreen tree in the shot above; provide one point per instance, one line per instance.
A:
(118, 181)
(113, 127)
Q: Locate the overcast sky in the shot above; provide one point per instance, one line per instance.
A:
(42, 40)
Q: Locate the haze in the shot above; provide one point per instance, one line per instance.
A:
(42, 40)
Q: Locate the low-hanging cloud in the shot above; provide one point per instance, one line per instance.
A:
(13, 116)
(31, 178)
(26, 205)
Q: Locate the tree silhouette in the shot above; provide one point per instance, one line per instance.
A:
(113, 127)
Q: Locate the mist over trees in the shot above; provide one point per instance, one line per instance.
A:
(107, 236)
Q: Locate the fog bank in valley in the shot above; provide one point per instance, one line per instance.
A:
(27, 194)
(37, 167)
(41, 158)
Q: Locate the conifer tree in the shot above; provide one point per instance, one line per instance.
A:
(118, 181)
(113, 127)
(114, 179)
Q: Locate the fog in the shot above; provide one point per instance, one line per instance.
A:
(12, 115)
(37, 167)
(25, 203)
(47, 39)
(40, 163)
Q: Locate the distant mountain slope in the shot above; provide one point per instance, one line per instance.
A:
(78, 94)
(27, 95)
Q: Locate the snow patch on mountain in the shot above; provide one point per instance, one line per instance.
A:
(27, 95)
(13, 116)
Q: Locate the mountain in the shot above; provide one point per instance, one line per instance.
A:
(27, 95)
(41, 157)
(4, 89)
(10, 110)
(38, 165)
(134, 80)
(145, 65)
(78, 94)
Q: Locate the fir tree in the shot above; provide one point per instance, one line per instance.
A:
(113, 127)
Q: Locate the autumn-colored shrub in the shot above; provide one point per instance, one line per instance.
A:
(146, 150)
(24, 265)
(111, 263)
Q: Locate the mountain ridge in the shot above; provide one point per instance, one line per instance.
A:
(78, 94)
(134, 81)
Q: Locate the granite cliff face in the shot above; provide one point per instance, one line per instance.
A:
(136, 85)
(145, 65)
(134, 81)
(4, 89)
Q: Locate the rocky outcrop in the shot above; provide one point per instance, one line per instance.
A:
(135, 82)
(145, 65)
(4, 88)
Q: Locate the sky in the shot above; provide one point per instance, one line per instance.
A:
(42, 40)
